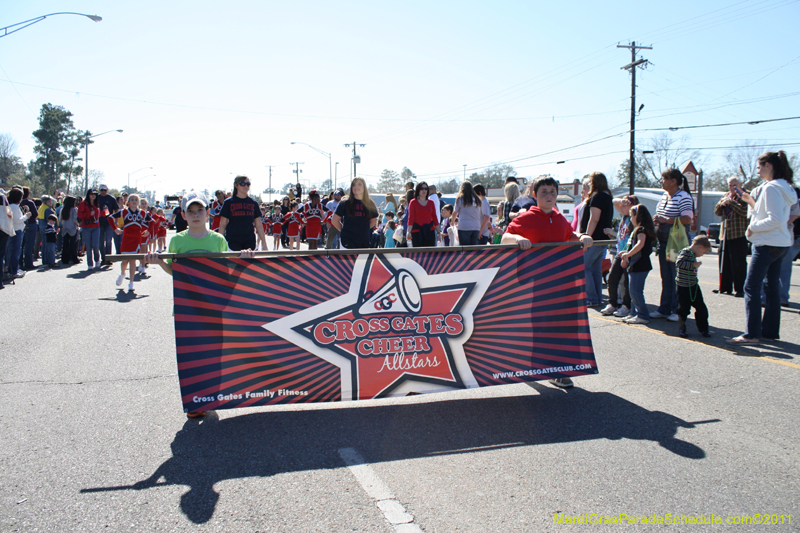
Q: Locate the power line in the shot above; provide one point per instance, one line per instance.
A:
(751, 123)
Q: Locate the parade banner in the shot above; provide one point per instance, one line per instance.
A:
(321, 328)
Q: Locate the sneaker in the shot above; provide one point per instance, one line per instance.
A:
(656, 314)
(130, 286)
(564, 383)
(682, 332)
(590, 304)
(636, 320)
(673, 317)
(97, 266)
(622, 311)
(608, 310)
(705, 334)
(19, 274)
(120, 279)
(196, 414)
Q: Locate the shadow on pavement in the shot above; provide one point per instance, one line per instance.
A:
(124, 296)
(207, 451)
(719, 339)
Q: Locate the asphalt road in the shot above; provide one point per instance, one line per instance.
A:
(93, 437)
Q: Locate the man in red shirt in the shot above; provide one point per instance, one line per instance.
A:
(542, 223)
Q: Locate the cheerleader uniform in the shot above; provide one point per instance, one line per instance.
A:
(276, 220)
(313, 217)
(293, 220)
(162, 227)
(265, 223)
(134, 224)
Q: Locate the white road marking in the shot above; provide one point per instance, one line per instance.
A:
(392, 509)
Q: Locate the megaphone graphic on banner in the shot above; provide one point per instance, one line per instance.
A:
(399, 295)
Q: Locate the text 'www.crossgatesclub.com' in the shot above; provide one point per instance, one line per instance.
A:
(541, 371)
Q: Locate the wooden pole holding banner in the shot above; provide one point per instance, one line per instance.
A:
(344, 251)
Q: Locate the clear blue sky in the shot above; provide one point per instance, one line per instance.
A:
(204, 90)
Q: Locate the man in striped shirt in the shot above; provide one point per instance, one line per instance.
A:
(689, 293)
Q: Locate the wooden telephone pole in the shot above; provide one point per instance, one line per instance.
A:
(631, 67)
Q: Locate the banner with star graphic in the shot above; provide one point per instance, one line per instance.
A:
(323, 328)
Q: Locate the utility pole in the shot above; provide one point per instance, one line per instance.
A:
(631, 67)
(356, 158)
(297, 170)
(465, 172)
(336, 177)
(270, 178)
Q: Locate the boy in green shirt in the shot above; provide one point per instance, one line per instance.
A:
(196, 239)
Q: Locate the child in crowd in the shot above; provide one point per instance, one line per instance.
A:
(277, 224)
(447, 213)
(388, 232)
(50, 232)
(266, 219)
(162, 230)
(689, 293)
(196, 239)
(637, 262)
(153, 229)
(542, 223)
(293, 220)
(134, 234)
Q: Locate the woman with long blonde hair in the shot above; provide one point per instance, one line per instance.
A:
(356, 216)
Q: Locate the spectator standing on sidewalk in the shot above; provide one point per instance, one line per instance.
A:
(596, 218)
(786, 266)
(733, 257)
(618, 276)
(107, 204)
(771, 206)
(675, 207)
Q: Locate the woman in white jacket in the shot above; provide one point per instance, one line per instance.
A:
(14, 246)
(770, 205)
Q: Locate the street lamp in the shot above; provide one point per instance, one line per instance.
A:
(323, 152)
(134, 172)
(141, 178)
(25, 23)
(86, 155)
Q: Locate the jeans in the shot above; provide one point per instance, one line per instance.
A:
(617, 277)
(786, 270)
(13, 249)
(117, 242)
(669, 295)
(332, 240)
(40, 240)
(593, 265)
(28, 242)
(3, 244)
(636, 289)
(468, 238)
(49, 253)
(106, 236)
(766, 261)
(91, 239)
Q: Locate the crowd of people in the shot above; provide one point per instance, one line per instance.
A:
(764, 220)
